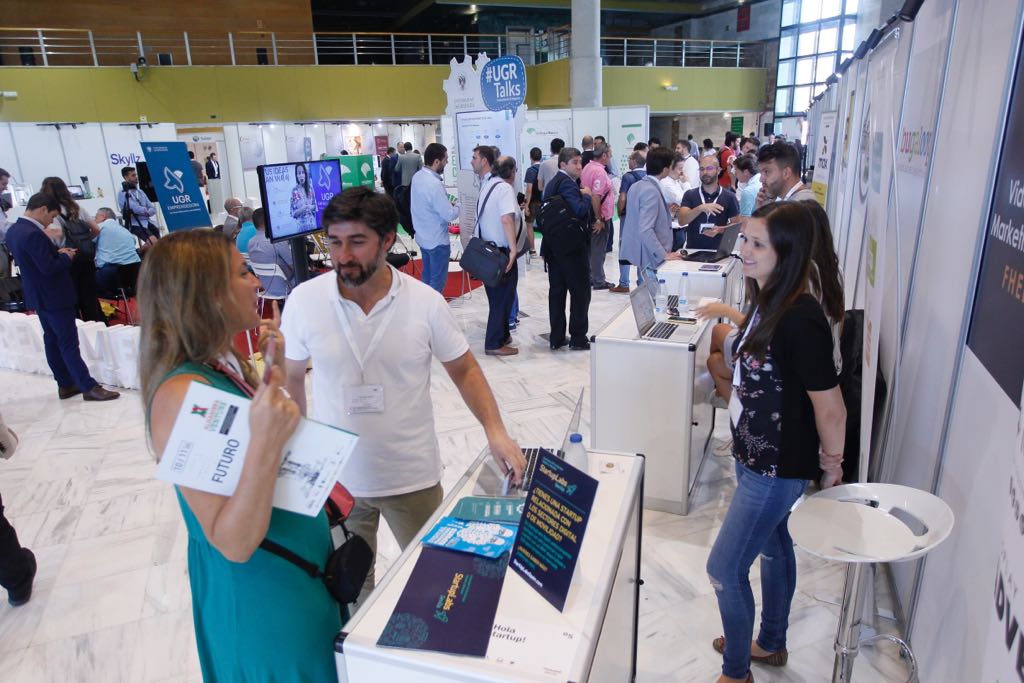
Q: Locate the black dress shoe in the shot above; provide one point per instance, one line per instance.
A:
(21, 593)
(580, 346)
(555, 347)
(98, 393)
(68, 392)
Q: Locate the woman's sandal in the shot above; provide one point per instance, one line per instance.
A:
(774, 659)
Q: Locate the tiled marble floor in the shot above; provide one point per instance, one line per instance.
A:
(112, 602)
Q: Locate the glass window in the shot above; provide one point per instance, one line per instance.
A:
(786, 72)
(820, 88)
(787, 45)
(782, 100)
(805, 71)
(810, 10)
(805, 45)
(789, 13)
(845, 56)
(851, 6)
(828, 39)
(825, 67)
(801, 98)
(831, 8)
(849, 36)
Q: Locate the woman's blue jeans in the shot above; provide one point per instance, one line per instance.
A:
(755, 524)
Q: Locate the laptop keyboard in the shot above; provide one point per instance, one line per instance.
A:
(531, 455)
(662, 331)
(673, 301)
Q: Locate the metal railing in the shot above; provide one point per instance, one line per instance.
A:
(82, 47)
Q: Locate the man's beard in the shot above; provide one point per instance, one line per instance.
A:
(363, 274)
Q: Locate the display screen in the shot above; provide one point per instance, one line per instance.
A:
(475, 128)
(295, 195)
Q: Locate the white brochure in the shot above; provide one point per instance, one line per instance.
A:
(206, 451)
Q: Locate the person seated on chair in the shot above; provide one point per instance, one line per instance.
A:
(115, 247)
(263, 252)
(246, 230)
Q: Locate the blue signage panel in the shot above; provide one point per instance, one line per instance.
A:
(503, 83)
(183, 205)
(551, 530)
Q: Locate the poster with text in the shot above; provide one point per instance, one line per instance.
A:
(474, 128)
(824, 152)
(626, 127)
(997, 320)
(251, 149)
(298, 147)
(540, 134)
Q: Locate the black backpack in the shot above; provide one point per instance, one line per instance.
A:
(563, 231)
(78, 236)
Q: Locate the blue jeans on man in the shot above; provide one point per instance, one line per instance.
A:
(754, 525)
(435, 266)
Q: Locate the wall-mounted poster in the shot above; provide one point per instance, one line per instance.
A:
(251, 148)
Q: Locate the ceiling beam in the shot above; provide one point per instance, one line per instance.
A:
(646, 6)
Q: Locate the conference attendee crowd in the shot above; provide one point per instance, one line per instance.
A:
(368, 331)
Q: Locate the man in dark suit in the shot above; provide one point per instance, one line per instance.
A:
(569, 272)
(387, 171)
(49, 291)
(212, 166)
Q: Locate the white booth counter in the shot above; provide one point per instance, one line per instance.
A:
(593, 639)
(643, 401)
(722, 280)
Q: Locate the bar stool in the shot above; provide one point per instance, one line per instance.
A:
(861, 524)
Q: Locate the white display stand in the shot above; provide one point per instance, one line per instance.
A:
(725, 284)
(592, 639)
(643, 396)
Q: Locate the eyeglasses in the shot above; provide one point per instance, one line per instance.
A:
(709, 168)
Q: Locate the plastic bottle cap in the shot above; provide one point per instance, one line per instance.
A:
(576, 438)
(662, 281)
(685, 274)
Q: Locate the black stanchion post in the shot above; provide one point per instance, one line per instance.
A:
(300, 258)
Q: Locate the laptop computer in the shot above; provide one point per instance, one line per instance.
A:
(725, 247)
(643, 312)
(492, 482)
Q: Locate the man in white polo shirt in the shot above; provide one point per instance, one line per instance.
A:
(372, 333)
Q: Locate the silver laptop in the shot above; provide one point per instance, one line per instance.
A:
(643, 312)
(492, 482)
(725, 247)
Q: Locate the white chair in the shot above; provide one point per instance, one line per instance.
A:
(107, 372)
(266, 272)
(88, 346)
(863, 524)
(29, 351)
(7, 344)
(125, 346)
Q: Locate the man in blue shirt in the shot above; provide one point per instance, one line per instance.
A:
(431, 212)
(265, 256)
(637, 160)
(115, 246)
(134, 201)
(570, 272)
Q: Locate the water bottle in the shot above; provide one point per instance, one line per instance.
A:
(684, 292)
(661, 302)
(576, 454)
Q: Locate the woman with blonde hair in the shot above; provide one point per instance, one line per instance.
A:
(257, 616)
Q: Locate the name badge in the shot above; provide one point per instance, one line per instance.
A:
(364, 398)
(705, 227)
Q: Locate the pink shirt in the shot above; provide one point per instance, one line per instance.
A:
(595, 177)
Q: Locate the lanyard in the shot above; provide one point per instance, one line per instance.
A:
(360, 358)
(704, 200)
(236, 379)
(793, 190)
(737, 357)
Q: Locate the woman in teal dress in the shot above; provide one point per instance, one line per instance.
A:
(257, 616)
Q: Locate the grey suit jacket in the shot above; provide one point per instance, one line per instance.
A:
(647, 228)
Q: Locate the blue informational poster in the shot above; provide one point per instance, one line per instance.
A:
(177, 188)
(558, 505)
(488, 539)
(448, 604)
(503, 83)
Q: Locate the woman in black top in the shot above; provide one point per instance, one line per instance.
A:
(788, 419)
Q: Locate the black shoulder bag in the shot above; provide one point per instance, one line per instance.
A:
(563, 231)
(345, 570)
(484, 260)
(78, 235)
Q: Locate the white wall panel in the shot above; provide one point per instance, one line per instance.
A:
(87, 156)
(39, 150)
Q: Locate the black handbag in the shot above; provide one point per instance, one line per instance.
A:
(484, 260)
(346, 568)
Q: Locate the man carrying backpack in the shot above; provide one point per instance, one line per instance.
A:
(565, 222)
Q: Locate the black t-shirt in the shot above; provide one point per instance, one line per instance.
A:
(776, 434)
(696, 197)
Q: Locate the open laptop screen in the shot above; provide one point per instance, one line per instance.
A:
(643, 309)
